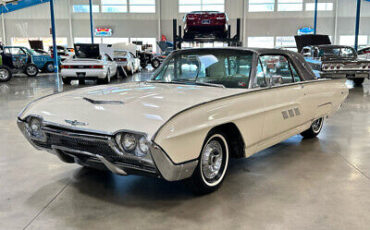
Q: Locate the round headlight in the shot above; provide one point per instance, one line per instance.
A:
(129, 142)
(143, 146)
(35, 127)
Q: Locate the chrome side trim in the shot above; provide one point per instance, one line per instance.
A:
(169, 170)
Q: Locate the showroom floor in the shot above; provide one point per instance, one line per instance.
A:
(322, 183)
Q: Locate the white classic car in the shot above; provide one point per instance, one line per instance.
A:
(91, 62)
(127, 60)
(201, 107)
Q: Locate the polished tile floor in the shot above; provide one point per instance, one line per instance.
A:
(322, 183)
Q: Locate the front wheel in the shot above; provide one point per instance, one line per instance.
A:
(314, 130)
(5, 74)
(212, 165)
(31, 70)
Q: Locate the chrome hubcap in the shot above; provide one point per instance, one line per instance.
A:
(316, 125)
(212, 159)
(31, 70)
(51, 67)
(4, 74)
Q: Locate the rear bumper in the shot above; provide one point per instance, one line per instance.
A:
(350, 74)
(83, 73)
(160, 164)
(199, 28)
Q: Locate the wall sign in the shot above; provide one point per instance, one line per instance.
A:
(103, 32)
(305, 30)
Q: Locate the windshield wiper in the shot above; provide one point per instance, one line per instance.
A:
(189, 83)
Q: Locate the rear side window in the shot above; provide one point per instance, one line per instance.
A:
(278, 68)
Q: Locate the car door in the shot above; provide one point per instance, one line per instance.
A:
(19, 57)
(283, 104)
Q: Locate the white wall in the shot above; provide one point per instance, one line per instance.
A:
(35, 21)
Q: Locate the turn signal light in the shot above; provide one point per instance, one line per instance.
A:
(66, 67)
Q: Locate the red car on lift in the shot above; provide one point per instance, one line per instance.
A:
(205, 23)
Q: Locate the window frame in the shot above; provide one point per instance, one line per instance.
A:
(291, 64)
(129, 5)
(260, 4)
(280, 4)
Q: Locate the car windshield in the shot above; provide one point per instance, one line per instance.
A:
(225, 68)
(344, 52)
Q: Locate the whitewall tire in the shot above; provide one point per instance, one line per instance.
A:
(212, 165)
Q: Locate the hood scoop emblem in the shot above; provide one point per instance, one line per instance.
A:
(100, 102)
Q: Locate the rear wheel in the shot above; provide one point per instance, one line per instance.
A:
(358, 81)
(31, 70)
(106, 80)
(49, 67)
(156, 63)
(5, 74)
(314, 130)
(212, 165)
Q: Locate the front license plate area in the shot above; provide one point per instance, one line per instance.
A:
(206, 21)
(81, 74)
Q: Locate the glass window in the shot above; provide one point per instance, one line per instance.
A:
(14, 51)
(285, 41)
(142, 6)
(277, 67)
(87, 40)
(349, 40)
(261, 5)
(114, 6)
(187, 6)
(230, 69)
(320, 6)
(114, 40)
(262, 42)
(85, 8)
(290, 5)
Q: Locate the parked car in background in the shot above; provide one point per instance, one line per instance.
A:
(166, 49)
(205, 23)
(64, 53)
(5, 72)
(43, 61)
(127, 61)
(91, 62)
(18, 60)
(364, 53)
(332, 61)
(201, 108)
(337, 61)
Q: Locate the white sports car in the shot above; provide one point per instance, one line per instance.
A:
(89, 63)
(202, 107)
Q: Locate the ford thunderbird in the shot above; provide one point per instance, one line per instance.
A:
(201, 108)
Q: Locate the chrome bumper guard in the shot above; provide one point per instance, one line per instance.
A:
(163, 165)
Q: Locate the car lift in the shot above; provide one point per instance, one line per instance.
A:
(178, 39)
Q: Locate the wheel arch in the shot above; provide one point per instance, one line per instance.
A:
(234, 138)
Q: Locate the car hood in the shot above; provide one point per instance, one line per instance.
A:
(139, 106)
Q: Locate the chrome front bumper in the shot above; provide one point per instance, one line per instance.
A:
(159, 165)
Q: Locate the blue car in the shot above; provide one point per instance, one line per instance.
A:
(43, 61)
